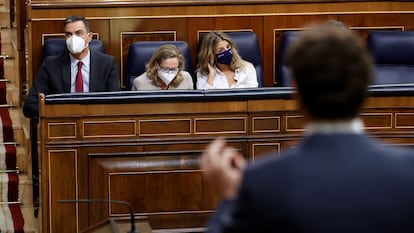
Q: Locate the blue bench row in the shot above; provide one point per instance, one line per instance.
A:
(392, 51)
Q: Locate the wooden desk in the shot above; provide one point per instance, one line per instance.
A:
(143, 147)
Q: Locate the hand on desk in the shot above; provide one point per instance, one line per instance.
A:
(223, 168)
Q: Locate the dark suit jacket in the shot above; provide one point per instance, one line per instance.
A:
(328, 184)
(54, 78)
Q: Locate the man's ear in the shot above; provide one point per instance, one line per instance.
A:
(90, 36)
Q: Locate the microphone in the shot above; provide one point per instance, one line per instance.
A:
(131, 208)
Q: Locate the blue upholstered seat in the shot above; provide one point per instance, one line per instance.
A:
(393, 54)
(284, 78)
(140, 53)
(55, 46)
(249, 49)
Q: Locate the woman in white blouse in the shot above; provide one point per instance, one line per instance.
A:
(220, 65)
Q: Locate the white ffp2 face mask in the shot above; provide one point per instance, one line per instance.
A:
(75, 44)
(167, 78)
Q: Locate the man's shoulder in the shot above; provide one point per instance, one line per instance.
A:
(269, 159)
(369, 148)
(397, 151)
(98, 54)
(57, 57)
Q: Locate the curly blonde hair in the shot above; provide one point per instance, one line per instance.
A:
(207, 54)
(162, 53)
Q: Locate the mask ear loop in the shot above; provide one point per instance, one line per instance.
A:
(84, 39)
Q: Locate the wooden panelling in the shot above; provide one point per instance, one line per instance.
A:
(119, 24)
(265, 124)
(131, 36)
(259, 149)
(144, 8)
(377, 120)
(294, 123)
(62, 186)
(222, 125)
(62, 130)
(125, 31)
(157, 170)
(165, 127)
(110, 128)
(158, 179)
(404, 120)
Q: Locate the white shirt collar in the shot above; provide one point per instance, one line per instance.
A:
(353, 126)
(85, 60)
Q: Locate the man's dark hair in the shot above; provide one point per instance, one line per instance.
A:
(332, 70)
(75, 18)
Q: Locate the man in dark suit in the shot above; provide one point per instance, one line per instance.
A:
(336, 179)
(60, 73)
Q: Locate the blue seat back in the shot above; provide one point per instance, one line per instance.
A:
(249, 49)
(140, 53)
(55, 46)
(284, 78)
(393, 54)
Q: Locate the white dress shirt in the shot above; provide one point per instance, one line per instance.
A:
(86, 70)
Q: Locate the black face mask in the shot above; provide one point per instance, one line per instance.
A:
(225, 57)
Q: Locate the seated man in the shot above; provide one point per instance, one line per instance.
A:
(79, 69)
(337, 179)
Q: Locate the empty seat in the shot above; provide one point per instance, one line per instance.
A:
(140, 53)
(284, 78)
(55, 46)
(393, 54)
(249, 49)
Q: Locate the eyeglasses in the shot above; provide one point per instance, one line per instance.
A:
(168, 70)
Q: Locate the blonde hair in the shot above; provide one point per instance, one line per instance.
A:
(207, 55)
(162, 53)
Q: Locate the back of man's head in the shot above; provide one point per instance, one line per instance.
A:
(332, 70)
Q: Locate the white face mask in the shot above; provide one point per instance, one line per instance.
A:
(167, 78)
(76, 44)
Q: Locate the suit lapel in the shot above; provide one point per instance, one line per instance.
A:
(66, 73)
(93, 75)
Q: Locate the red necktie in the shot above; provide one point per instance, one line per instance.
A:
(79, 79)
